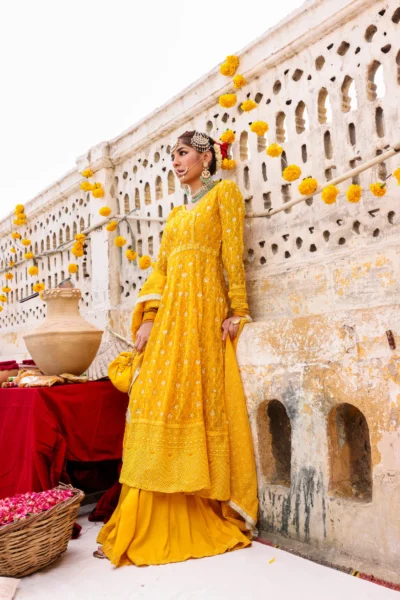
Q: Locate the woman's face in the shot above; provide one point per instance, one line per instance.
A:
(188, 163)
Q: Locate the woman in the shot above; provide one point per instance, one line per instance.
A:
(188, 477)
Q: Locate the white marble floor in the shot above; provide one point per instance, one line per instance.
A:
(235, 576)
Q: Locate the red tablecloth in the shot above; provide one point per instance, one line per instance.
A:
(42, 428)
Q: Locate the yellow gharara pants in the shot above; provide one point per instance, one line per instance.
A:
(154, 528)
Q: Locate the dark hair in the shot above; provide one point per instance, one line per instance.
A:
(186, 139)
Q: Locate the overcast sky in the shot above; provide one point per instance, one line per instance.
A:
(76, 72)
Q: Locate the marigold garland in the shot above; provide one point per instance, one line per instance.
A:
(238, 82)
(228, 137)
(19, 222)
(73, 268)
(329, 194)
(98, 193)
(9, 276)
(112, 226)
(396, 174)
(19, 209)
(13, 250)
(6, 289)
(77, 250)
(80, 237)
(259, 127)
(33, 271)
(120, 241)
(248, 105)
(28, 255)
(86, 186)
(227, 100)
(87, 173)
(105, 211)
(308, 186)
(131, 255)
(15, 235)
(291, 173)
(228, 68)
(3, 298)
(26, 242)
(274, 150)
(38, 287)
(144, 262)
(378, 189)
(228, 164)
(354, 193)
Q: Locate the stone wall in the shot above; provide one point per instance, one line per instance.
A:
(320, 371)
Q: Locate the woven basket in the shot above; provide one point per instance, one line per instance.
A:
(37, 541)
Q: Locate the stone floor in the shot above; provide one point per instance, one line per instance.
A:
(239, 575)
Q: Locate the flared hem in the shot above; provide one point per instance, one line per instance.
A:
(153, 528)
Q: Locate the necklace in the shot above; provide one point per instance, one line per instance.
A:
(203, 191)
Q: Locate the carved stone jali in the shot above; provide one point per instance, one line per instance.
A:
(64, 342)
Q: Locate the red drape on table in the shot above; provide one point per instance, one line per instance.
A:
(42, 428)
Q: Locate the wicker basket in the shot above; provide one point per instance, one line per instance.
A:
(35, 542)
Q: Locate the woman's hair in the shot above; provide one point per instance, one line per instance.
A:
(186, 139)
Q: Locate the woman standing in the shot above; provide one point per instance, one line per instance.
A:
(188, 477)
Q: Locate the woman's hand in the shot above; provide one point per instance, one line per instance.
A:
(230, 327)
(143, 335)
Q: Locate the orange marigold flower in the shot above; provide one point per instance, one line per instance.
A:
(86, 186)
(73, 268)
(259, 127)
(329, 194)
(239, 81)
(33, 271)
(378, 189)
(228, 164)
(120, 241)
(112, 226)
(105, 211)
(274, 150)
(144, 262)
(227, 100)
(26, 242)
(291, 173)
(354, 193)
(248, 105)
(228, 137)
(308, 186)
(131, 255)
(9, 276)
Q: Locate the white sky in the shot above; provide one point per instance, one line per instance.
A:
(76, 72)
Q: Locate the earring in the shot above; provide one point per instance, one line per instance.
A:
(205, 175)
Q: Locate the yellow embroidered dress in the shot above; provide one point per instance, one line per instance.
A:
(189, 481)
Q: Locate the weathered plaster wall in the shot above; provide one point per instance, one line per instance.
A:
(323, 280)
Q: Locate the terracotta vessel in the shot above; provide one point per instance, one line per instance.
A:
(64, 342)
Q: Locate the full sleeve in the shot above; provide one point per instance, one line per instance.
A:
(231, 210)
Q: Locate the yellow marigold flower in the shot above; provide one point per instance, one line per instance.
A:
(259, 127)
(120, 241)
(3, 298)
(228, 164)
(13, 250)
(72, 268)
(396, 174)
(248, 105)
(105, 211)
(239, 81)
(28, 255)
(97, 185)
(144, 262)
(15, 235)
(11, 263)
(329, 194)
(87, 173)
(80, 237)
(19, 222)
(98, 193)
(227, 100)
(112, 226)
(19, 209)
(26, 242)
(230, 65)
(77, 249)
(33, 271)
(131, 255)
(86, 186)
(9, 276)
(1, 309)
(6, 289)
(378, 189)
(274, 150)
(291, 173)
(308, 186)
(38, 287)
(353, 193)
(228, 137)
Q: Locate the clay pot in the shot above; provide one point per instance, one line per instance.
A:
(64, 342)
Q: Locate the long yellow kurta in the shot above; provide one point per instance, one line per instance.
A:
(187, 440)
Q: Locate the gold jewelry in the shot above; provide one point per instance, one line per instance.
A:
(206, 172)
